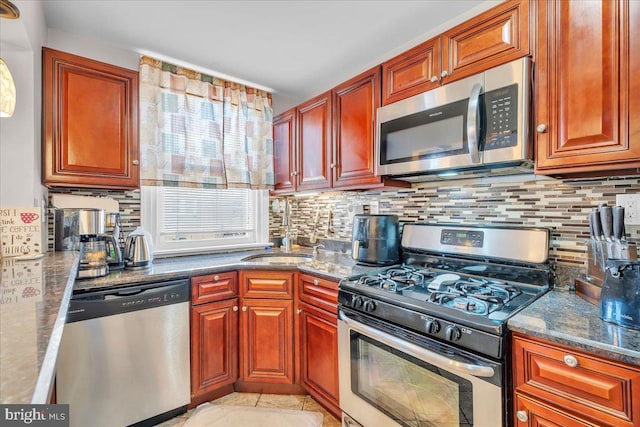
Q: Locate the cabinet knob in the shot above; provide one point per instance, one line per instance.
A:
(444, 73)
(216, 277)
(434, 79)
(244, 308)
(333, 165)
(316, 282)
(136, 162)
(570, 361)
(299, 311)
(522, 416)
(235, 308)
(541, 128)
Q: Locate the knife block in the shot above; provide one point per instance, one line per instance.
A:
(595, 270)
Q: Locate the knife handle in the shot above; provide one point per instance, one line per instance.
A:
(606, 221)
(594, 216)
(618, 224)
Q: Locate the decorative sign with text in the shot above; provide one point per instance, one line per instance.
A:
(20, 231)
(21, 281)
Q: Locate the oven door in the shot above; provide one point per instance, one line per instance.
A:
(390, 378)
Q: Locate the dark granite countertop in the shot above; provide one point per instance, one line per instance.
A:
(563, 317)
(34, 298)
(331, 265)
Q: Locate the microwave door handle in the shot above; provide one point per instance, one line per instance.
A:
(473, 125)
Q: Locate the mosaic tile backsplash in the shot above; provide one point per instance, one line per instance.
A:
(522, 200)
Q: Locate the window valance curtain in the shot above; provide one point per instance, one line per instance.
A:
(200, 131)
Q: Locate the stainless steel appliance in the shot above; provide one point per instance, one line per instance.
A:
(124, 356)
(376, 239)
(137, 253)
(620, 297)
(481, 121)
(93, 251)
(426, 342)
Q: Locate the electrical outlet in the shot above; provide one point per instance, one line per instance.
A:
(631, 204)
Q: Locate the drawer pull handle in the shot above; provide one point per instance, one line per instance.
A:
(570, 361)
(316, 282)
(299, 311)
(434, 79)
(522, 416)
(235, 308)
(216, 277)
(244, 308)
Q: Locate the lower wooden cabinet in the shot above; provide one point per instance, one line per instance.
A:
(267, 341)
(573, 384)
(319, 355)
(214, 346)
(528, 412)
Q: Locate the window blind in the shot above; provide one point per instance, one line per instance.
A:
(211, 213)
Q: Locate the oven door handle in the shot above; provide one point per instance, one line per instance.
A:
(473, 125)
(417, 351)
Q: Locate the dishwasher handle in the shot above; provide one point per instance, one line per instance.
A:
(109, 302)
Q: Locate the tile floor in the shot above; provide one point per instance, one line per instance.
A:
(300, 403)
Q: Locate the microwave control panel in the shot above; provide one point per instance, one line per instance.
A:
(501, 120)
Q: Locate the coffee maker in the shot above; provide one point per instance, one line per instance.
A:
(93, 251)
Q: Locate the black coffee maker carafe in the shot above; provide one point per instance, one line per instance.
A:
(620, 296)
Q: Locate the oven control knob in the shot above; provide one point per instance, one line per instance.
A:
(357, 301)
(369, 306)
(432, 326)
(452, 333)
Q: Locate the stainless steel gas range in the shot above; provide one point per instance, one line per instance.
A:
(426, 343)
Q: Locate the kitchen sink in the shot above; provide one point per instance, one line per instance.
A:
(279, 258)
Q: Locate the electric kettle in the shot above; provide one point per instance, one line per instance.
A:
(137, 251)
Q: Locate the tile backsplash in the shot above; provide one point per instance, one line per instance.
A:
(521, 200)
(129, 202)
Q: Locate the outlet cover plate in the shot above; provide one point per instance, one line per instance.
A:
(631, 204)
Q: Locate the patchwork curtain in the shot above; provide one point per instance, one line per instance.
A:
(200, 131)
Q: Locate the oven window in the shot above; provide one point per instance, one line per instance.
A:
(427, 134)
(408, 390)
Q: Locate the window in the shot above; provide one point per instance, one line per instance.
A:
(192, 220)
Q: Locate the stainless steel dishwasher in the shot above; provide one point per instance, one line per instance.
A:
(124, 357)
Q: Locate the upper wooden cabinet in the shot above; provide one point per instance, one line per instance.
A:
(329, 141)
(494, 37)
(90, 123)
(586, 94)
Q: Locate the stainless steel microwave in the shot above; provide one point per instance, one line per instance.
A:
(480, 122)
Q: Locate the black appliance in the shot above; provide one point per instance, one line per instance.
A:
(620, 296)
(376, 239)
(434, 328)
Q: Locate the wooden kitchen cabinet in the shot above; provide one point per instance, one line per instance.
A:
(534, 414)
(313, 130)
(492, 38)
(284, 152)
(90, 123)
(560, 381)
(267, 345)
(318, 336)
(587, 96)
(214, 335)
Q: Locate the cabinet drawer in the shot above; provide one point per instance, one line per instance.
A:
(267, 284)
(318, 292)
(585, 384)
(532, 413)
(214, 287)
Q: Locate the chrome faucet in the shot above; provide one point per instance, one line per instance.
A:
(315, 250)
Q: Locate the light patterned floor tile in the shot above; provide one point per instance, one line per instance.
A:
(329, 420)
(238, 399)
(281, 401)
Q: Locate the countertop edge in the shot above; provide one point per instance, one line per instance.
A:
(46, 376)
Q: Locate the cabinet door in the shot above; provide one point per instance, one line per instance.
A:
(266, 330)
(354, 116)
(583, 87)
(284, 153)
(314, 143)
(90, 114)
(412, 72)
(494, 37)
(530, 413)
(214, 346)
(319, 354)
